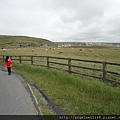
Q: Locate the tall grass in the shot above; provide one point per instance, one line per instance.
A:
(77, 95)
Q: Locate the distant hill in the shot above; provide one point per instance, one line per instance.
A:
(17, 41)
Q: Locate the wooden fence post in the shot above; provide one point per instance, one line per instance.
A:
(3, 58)
(31, 60)
(48, 61)
(104, 70)
(69, 65)
(11, 57)
(20, 59)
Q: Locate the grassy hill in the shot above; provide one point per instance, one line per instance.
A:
(16, 41)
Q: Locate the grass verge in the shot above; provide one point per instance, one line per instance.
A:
(77, 95)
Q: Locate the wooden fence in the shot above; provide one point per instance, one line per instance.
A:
(102, 70)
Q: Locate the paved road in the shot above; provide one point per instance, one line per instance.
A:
(15, 96)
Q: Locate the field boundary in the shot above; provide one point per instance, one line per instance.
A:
(67, 64)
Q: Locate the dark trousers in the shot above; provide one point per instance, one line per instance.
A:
(9, 70)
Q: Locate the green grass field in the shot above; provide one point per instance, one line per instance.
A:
(76, 94)
(11, 43)
(110, 54)
(98, 53)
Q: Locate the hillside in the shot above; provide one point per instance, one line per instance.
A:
(16, 41)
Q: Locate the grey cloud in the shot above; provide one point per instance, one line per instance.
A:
(62, 20)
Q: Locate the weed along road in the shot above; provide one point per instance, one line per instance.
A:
(16, 97)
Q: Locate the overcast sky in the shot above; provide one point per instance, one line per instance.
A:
(62, 20)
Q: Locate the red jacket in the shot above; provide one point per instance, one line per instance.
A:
(9, 63)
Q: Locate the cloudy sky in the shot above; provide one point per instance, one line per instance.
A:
(62, 20)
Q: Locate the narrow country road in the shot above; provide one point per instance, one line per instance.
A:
(15, 95)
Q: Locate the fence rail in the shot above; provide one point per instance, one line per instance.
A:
(102, 70)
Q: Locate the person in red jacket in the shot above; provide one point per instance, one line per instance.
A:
(8, 64)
